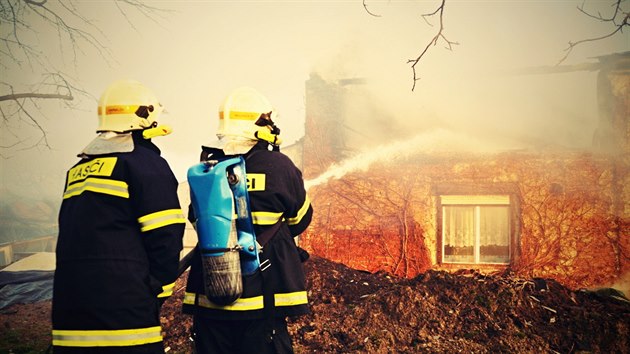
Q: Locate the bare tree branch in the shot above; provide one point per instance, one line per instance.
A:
(149, 12)
(439, 35)
(619, 19)
(35, 122)
(75, 34)
(27, 111)
(368, 11)
(38, 3)
(17, 96)
(21, 44)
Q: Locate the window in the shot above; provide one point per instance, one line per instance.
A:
(476, 229)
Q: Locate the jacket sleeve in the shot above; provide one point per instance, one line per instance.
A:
(299, 210)
(160, 218)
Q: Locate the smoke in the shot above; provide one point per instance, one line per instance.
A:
(468, 87)
(430, 141)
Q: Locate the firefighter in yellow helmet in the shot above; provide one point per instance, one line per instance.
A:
(245, 118)
(280, 211)
(120, 232)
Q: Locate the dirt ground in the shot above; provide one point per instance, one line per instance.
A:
(436, 312)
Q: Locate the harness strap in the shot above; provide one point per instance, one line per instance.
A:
(268, 234)
(268, 300)
(268, 295)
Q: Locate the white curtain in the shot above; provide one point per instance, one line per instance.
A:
(494, 227)
(459, 225)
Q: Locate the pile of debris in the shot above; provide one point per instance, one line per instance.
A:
(441, 312)
(436, 312)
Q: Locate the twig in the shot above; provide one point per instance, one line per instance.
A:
(368, 11)
(433, 41)
(613, 19)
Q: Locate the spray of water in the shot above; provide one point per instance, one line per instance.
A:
(434, 140)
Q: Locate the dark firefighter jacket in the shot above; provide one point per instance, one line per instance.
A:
(120, 236)
(276, 194)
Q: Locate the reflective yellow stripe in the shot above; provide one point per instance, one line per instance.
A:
(242, 304)
(291, 299)
(106, 338)
(161, 218)
(248, 304)
(236, 115)
(167, 290)
(265, 217)
(121, 109)
(98, 185)
(300, 213)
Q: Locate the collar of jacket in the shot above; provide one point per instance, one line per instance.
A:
(110, 142)
(209, 152)
(263, 145)
(139, 140)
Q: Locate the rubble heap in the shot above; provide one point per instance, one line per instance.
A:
(436, 312)
(441, 312)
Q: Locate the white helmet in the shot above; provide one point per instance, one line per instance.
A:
(243, 112)
(127, 105)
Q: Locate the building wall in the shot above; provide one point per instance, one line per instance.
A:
(562, 206)
(323, 139)
(570, 210)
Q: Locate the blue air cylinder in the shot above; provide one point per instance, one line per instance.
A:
(219, 199)
(244, 224)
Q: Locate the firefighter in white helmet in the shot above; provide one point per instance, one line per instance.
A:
(120, 232)
(280, 211)
(246, 117)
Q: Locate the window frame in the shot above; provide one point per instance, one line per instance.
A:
(476, 201)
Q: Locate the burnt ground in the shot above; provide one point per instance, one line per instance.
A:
(436, 312)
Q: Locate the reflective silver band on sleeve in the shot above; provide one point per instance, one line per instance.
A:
(98, 185)
(161, 218)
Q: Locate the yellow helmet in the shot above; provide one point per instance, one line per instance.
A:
(242, 114)
(127, 105)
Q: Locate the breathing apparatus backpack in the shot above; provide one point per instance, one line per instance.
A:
(227, 241)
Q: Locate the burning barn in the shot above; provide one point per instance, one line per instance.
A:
(538, 212)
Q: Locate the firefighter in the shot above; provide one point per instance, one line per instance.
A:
(280, 210)
(120, 232)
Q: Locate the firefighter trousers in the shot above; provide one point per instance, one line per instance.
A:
(240, 336)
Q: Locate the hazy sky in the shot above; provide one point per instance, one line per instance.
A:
(194, 52)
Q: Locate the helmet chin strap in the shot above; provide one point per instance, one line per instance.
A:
(269, 136)
(269, 131)
(265, 121)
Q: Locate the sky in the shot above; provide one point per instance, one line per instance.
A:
(192, 53)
